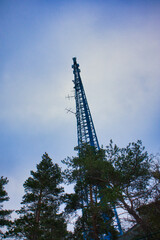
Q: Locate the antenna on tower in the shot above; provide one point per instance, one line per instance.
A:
(85, 129)
(69, 110)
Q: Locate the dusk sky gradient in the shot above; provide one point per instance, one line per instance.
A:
(117, 44)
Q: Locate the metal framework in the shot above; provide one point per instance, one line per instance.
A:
(85, 129)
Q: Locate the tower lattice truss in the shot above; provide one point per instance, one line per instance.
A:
(85, 127)
(86, 134)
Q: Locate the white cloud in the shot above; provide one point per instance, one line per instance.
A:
(119, 69)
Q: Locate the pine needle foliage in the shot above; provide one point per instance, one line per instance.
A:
(97, 216)
(39, 217)
(4, 214)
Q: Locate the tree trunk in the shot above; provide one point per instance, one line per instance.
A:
(38, 210)
(95, 235)
(37, 216)
(138, 219)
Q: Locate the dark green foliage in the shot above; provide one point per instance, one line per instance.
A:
(85, 171)
(126, 172)
(39, 218)
(118, 176)
(150, 212)
(4, 214)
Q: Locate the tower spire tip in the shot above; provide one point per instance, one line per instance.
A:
(74, 59)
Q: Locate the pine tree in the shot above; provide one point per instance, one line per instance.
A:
(39, 218)
(125, 179)
(97, 215)
(4, 214)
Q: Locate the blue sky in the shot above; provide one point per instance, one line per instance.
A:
(117, 44)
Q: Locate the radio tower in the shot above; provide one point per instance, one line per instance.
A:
(86, 132)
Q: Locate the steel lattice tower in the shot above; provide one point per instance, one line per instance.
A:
(85, 128)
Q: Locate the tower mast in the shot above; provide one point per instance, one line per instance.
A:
(85, 128)
(86, 131)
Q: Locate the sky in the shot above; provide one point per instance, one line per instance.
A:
(117, 44)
